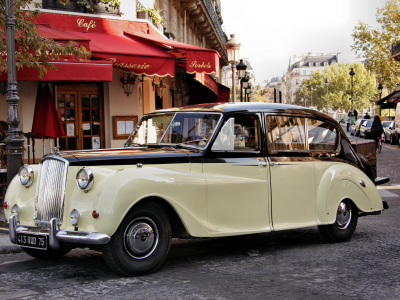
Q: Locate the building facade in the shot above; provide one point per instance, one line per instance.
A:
(302, 66)
(166, 65)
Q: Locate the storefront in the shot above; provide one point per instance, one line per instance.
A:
(93, 105)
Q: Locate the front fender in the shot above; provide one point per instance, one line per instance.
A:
(342, 181)
(185, 191)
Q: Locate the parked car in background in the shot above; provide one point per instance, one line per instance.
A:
(365, 129)
(207, 170)
(355, 128)
(388, 135)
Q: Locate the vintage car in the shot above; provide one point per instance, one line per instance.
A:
(209, 170)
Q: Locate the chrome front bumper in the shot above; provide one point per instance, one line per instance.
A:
(55, 236)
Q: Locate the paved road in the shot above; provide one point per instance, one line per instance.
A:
(293, 264)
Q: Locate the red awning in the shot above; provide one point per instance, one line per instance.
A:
(130, 55)
(223, 93)
(194, 59)
(72, 70)
(207, 81)
(62, 36)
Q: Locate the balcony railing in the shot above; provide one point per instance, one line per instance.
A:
(213, 16)
(396, 49)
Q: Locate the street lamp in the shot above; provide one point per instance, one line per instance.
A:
(327, 94)
(311, 97)
(13, 141)
(232, 49)
(380, 88)
(248, 91)
(352, 73)
(241, 68)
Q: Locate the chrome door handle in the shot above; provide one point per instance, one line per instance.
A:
(273, 164)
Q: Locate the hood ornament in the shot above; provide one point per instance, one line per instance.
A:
(55, 150)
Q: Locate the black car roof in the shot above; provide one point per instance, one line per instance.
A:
(248, 106)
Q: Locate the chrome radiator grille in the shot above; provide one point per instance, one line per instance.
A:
(50, 190)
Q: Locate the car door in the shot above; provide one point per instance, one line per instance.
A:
(237, 178)
(292, 173)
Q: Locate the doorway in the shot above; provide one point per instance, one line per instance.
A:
(80, 109)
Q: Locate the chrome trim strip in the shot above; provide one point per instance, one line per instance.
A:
(250, 165)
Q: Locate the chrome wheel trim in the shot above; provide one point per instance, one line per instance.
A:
(141, 238)
(343, 215)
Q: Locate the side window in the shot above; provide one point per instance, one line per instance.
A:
(286, 133)
(240, 133)
(321, 135)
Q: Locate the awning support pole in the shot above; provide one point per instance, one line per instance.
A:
(13, 141)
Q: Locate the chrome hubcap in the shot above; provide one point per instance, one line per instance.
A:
(141, 238)
(343, 215)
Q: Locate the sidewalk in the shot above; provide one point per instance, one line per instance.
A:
(6, 246)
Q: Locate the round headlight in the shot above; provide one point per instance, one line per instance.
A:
(25, 175)
(74, 217)
(85, 179)
(15, 210)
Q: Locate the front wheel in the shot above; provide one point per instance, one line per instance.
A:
(345, 224)
(141, 243)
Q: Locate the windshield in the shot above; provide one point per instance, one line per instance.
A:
(193, 129)
(369, 123)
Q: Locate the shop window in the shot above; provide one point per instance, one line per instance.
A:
(96, 7)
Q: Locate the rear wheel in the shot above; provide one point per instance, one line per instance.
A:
(345, 224)
(47, 254)
(141, 243)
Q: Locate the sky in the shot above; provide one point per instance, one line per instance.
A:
(270, 31)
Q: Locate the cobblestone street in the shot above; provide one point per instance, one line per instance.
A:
(292, 264)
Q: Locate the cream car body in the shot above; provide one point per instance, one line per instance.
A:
(255, 168)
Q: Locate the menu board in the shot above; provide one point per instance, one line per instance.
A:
(123, 126)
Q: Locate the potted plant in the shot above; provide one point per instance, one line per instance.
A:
(154, 14)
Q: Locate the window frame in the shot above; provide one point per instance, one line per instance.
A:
(260, 129)
(336, 149)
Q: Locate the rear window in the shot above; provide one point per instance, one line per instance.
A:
(369, 123)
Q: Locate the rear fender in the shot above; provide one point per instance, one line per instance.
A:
(343, 181)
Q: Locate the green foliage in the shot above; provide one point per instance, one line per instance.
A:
(33, 50)
(339, 91)
(86, 3)
(155, 15)
(375, 44)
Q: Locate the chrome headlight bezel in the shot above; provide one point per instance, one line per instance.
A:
(74, 217)
(86, 183)
(27, 179)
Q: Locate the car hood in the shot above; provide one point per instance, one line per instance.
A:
(126, 156)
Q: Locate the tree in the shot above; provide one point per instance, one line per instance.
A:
(31, 49)
(375, 44)
(339, 91)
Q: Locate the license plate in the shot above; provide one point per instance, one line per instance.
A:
(32, 241)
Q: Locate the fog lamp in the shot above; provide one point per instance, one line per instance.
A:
(85, 179)
(74, 217)
(25, 175)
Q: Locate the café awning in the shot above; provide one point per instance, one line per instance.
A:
(192, 58)
(207, 81)
(391, 100)
(68, 70)
(130, 55)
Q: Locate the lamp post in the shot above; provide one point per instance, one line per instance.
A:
(232, 49)
(247, 92)
(244, 84)
(380, 88)
(327, 94)
(311, 97)
(241, 68)
(13, 141)
(352, 73)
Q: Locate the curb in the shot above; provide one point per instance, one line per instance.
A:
(4, 230)
(10, 249)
